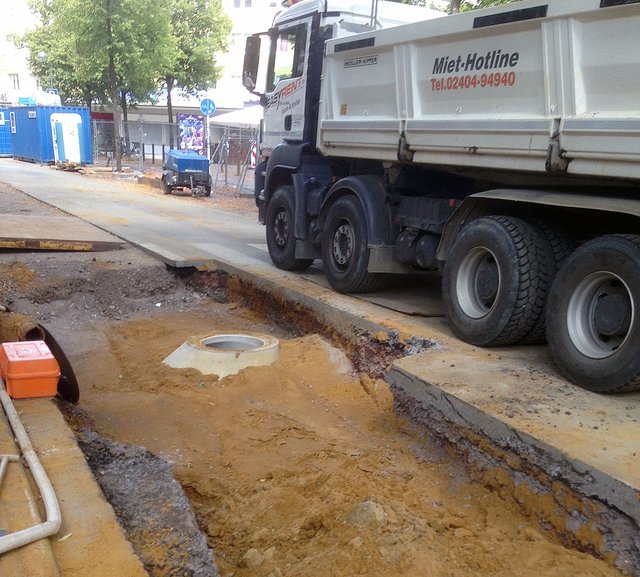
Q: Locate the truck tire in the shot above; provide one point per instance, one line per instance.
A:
(495, 281)
(558, 247)
(345, 251)
(165, 187)
(593, 315)
(280, 238)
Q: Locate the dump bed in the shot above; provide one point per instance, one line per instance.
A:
(522, 87)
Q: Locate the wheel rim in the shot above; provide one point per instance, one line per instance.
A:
(342, 245)
(281, 228)
(478, 282)
(600, 315)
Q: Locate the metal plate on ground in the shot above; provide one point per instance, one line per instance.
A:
(415, 295)
(27, 232)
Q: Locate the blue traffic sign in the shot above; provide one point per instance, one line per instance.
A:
(208, 107)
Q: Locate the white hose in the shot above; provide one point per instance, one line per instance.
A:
(52, 510)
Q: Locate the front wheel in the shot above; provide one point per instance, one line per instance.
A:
(345, 251)
(281, 240)
(593, 318)
(495, 281)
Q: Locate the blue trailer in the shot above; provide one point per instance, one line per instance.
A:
(51, 134)
(186, 169)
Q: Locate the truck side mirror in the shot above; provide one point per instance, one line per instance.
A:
(251, 62)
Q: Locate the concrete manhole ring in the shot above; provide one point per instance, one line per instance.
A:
(224, 354)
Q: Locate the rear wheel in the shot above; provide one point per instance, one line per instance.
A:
(345, 251)
(558, 248)
(593, 316)
(495, 281)
(281, 240)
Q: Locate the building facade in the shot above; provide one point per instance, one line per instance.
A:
(15, 77)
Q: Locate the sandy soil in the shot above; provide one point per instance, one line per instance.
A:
(296, 469)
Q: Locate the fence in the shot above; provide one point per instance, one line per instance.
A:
(144, 144)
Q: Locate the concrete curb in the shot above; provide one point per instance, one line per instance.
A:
(90, 535)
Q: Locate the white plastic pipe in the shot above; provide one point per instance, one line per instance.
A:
(4, 461)
(52, 510)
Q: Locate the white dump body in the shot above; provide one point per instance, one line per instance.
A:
(473, 90)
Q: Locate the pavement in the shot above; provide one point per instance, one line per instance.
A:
(567, 454)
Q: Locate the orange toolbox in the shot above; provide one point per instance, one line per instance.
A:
(29, 369)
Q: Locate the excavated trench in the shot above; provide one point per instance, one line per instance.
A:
(301, 467)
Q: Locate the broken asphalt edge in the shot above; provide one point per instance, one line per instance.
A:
(586, 508)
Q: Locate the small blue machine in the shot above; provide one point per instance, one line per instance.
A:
(186, 169)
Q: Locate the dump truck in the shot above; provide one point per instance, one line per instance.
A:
(500, 146)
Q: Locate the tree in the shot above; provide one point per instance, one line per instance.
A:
(112, 38)
(201, 29)
(100, 47)
(52, 57)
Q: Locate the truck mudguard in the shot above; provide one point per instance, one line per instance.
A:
(372, 194)
(285, 159)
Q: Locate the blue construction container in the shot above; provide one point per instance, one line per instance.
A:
(51, 134)
(6, 148)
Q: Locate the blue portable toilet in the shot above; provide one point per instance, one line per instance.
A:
(6, 147)
(51, 134)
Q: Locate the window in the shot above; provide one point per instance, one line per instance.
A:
(288, 55)
(236, 3)
(14, 80)
(247, 3)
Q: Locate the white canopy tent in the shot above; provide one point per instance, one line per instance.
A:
(248, 117)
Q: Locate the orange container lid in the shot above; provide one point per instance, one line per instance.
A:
(18, 359)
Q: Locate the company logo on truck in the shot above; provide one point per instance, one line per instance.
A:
(493, 69)
(364, 61)
(278, 99)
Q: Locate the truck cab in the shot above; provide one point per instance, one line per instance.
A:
(284, 65)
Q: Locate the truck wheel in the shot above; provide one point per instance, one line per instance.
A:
(280, 238)
(345, 252)
(593, 315)
(165, 187)
(558, 248)
(495, 281)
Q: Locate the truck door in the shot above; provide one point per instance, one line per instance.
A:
(285, 96)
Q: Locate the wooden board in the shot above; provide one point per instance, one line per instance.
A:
(27, 232)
